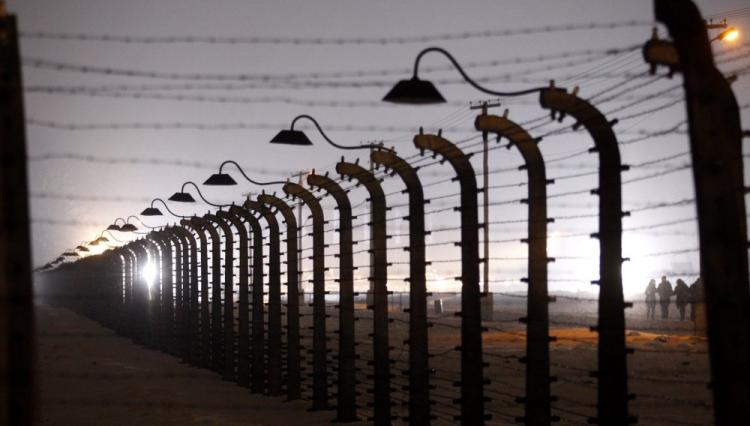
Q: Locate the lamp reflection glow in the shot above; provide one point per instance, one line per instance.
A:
(149, 274)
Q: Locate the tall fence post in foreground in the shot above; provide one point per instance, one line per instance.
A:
(537, 398)
(419, 369)
(257, 337)
(192, 315)
(346, 410)
(16, 310)
(182, 289)
(612, 374)
(274, 296)
(472, 374)
(320, 362)
(292, 305)
(200, 319)
(242, 376)
(163, 299)
(716, 148)
(226, 343)
(381, 349)
(213, 325)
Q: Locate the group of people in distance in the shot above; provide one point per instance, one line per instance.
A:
(684, 295)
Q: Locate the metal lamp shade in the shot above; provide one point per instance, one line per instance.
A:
(128, 227)
(216, 179)
(183, 197)
(291, 137)
(151, 211)
(414, 91)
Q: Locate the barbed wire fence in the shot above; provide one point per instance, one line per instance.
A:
(192, 309)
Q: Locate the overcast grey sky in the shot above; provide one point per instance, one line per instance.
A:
(101, 191)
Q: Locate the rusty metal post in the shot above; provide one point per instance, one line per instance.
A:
(292, 307)
(320, 360)
(472, 377)
(612, 374)
(419, 369)
(16, 309)
(201, 319)
(716, 148)
(189, 329)
(257, 349)
(224, 303)
(274, 297)
(243, 322)
(537, 398)
(381, 345)
(346, 400)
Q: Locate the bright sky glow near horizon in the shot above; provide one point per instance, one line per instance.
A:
(102, 144)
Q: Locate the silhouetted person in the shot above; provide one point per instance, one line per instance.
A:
(682, 293)
(696, 296)
(665, 293)
(651, 299)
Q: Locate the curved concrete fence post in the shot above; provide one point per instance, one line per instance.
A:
(537, 397)
(257, 336)
(200, 317)
(292, 305)
(242, 376)
(419, 369)
(612, 374)
(320, 359)
(472, 365)
(188, 327)
(379, 279)
(346, 405)
(274, 296)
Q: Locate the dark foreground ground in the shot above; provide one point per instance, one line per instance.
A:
(90, 376)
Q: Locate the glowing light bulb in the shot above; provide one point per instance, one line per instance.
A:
(731, 34)
(149, 273)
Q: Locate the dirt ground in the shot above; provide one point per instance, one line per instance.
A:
(90, 376)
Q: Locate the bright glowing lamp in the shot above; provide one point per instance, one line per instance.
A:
(149, 273)
(730, 34)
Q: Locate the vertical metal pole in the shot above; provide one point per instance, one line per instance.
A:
(419, 374)
(320, 361)
(381, 344)
(16, 310)
(486, 216)
(537, 398)
(292, 307)
(472, 378)
(346, 409)
(612, 374)
(716, 148)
